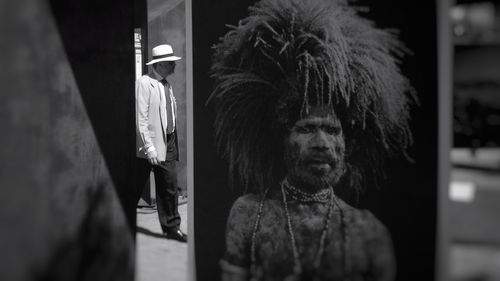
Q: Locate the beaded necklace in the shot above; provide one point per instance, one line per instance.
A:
(297, 269)
(322, 196)
(253, 266)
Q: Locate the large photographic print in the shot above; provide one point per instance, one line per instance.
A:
(315, 127)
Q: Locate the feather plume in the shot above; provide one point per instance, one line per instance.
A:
(289, 55)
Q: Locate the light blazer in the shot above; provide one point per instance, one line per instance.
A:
(151, 117)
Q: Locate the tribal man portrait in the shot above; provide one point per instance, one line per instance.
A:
(310, 100)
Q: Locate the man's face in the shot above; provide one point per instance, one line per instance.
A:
(315, 150)
(165, 68)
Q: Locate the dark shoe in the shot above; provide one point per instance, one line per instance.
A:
(177, 235)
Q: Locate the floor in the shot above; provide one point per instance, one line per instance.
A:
(159, 259)
(474, 215)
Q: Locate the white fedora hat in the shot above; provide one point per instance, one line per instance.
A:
(163, 53)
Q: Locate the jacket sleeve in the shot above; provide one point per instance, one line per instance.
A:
(142, 97)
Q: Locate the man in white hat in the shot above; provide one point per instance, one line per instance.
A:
(156, 142)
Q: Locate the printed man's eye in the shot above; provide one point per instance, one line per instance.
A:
(302, 129)
(331, 130)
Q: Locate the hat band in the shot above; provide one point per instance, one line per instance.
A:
(163, 56)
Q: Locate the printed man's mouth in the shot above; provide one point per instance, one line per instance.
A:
(320, 165)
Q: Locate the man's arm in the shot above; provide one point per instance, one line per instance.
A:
(142, 96)
(380, 250)
(236, 263)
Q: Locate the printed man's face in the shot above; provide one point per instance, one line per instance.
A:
(165, 68)
(315, 149)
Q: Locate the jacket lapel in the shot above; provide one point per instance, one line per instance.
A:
(158, 89)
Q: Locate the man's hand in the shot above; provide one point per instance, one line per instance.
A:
(182, 196)
(183, 193)
(153, 158)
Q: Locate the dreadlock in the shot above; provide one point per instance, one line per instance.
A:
(289, 55)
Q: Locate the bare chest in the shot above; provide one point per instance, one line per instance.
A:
(273, 241)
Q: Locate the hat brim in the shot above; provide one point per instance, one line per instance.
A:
(172, 58)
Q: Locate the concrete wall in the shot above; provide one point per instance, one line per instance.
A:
(167, 25)
(67, 140)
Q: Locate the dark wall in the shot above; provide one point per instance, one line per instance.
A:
(97, 37)
(212, 196)
(67, 116)
(406, 202)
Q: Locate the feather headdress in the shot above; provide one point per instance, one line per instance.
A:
(288, 55)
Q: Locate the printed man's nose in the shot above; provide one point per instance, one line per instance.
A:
(320, 141)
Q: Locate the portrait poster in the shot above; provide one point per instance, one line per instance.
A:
(405, 198)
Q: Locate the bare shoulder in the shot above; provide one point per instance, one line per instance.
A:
(364, 219)
(373, 228)
(371, 221)
(242, 216)
(239, 229)
(247, 201)
(244, 209)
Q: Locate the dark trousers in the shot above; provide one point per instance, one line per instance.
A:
(166, 191)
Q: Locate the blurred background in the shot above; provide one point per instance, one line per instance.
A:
(474, 191)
